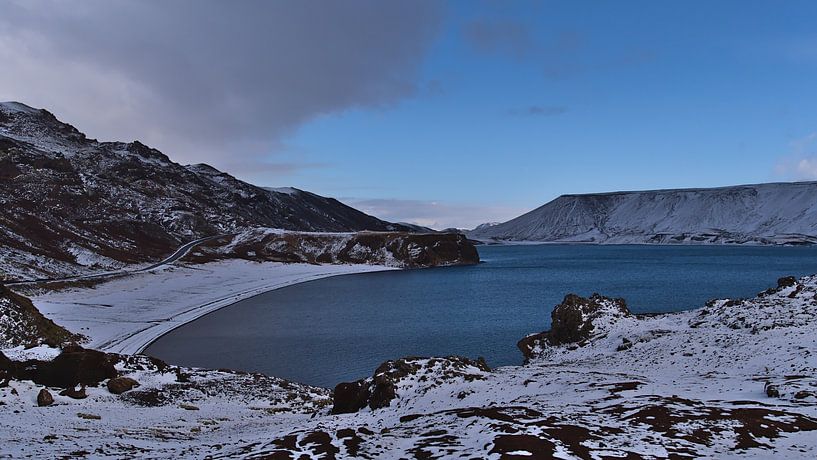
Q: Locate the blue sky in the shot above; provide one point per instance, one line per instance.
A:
(568, 97)
(443, 114)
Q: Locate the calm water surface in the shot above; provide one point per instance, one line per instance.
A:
(339, 329)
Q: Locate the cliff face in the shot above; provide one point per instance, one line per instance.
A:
(393, 249)
(781, 213)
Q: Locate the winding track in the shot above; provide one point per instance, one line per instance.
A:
(182, 251)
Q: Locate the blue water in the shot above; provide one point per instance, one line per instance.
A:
(339, 329)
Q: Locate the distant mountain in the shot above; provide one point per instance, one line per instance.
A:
(775, 213)
(69, 201)
(485, 226)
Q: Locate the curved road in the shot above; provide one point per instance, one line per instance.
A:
(182, 251)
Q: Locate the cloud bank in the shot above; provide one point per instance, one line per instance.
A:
(207, 80)
(801, 163)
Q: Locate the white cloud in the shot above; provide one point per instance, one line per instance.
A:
(801, 164)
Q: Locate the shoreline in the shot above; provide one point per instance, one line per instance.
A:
(126, 315)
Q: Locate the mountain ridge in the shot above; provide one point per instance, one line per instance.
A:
(771, 213)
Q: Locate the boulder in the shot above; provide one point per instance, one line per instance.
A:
(786, 281)
(44, 398)
(120, 385)
(74, 366)
(350, 397)
(74, 393)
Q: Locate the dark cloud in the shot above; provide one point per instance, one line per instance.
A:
(207, 79)
(538, 111)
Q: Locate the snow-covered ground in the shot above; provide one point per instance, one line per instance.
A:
(125, 315)
(733, 379)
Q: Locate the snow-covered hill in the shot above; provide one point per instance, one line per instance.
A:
(775, 213)
(72, 204)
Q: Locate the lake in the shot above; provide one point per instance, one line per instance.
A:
(341, 328)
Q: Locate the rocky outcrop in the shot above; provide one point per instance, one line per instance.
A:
(405, 376)
(574, 321)
(395, 249)
(74, 366)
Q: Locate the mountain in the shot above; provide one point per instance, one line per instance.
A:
(71, 202)
(775, 213)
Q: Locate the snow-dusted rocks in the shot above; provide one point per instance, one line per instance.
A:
(777, 213)
(404, 379)
(575, 320)
(392, 249)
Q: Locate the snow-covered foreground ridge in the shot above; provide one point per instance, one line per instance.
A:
(735, 378)
(776, 213)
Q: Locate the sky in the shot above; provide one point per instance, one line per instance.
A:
(445, 114)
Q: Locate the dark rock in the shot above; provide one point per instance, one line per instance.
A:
(772, 391)
(120, 385)
(531, 343)
(74, 393)
(74, 366)
(44, 398)
(626, 344)
(572, 322)
(380, 390)
(350, 397)
(5, 362)
(786, 281)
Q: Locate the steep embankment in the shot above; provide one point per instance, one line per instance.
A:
(73, 204)
(779, 213)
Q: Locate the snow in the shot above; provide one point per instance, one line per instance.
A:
(285, 190)
(42, 352)
(125, 315)
(17, 107)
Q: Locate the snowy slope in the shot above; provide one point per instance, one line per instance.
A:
(73, 205)
(734, 379)
(775, 213)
